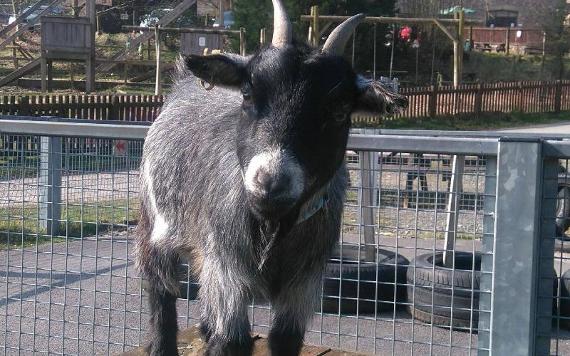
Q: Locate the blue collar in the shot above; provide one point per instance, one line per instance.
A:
(313, 205)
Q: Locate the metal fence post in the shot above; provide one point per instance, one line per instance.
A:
(516, 257)
(368, 182)
(487, 250)
(453, 204)
(49, 185)
(546, 273)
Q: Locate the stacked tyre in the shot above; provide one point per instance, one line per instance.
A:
(354, 286)
(445, 296)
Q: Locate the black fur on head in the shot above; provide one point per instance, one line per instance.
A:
(296, 109)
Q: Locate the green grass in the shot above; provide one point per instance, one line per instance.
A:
(20, 227)
(482, 122)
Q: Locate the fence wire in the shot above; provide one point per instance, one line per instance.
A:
(68, 207)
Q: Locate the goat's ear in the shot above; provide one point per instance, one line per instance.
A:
(376, 97)
(218, 69)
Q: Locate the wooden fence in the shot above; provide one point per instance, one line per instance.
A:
(472, 99)
(93, 107)
(475, 99)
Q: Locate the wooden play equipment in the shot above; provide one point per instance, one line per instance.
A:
(455, 34)
(146, 35)
(62, 38)
(68, 39)
(192, 41)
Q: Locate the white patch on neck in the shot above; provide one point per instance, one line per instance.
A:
(160, 227)
(273, 162)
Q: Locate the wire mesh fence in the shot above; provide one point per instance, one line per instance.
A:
(415, 270)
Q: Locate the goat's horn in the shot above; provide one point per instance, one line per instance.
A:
(282, 31)
(339, 37)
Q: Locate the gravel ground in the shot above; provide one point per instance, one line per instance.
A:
(75, 188)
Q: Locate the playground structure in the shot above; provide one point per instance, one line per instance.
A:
(72, 39)
(456, 34)
(68, 38)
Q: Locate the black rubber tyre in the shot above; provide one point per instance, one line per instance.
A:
(562, 211)
(458, 289)
(564, 300)
(379, 283)
(562, 244)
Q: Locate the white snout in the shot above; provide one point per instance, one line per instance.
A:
(277, 165)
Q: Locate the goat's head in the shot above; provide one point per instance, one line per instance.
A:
(295, 115)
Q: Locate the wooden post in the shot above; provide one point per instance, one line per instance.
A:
(458, 51)
(433, 101)
(49, 75)
(15, 55)
(262, 37)
(75, 8)
(157, 84)
(479, 99)
(114, 112)
(508, 42)
(90, 63)
(221, 14)
(315, 25)
(558, 97)
(242, 42)
(44, 73)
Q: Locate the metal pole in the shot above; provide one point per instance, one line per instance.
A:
(158, 79)
(453, 204)
(367, 183)
(516, 255)
(49, 185)
(487, 249)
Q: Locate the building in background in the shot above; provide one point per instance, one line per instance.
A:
(492, 13)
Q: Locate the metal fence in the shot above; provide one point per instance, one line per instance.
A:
(448, 244)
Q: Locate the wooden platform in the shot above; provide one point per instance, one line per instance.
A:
(190, 344)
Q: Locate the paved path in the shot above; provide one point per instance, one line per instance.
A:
(557, 128)
(84, 297)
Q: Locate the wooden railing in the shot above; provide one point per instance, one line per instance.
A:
(465, 100)
(92, 107)
(475, 99)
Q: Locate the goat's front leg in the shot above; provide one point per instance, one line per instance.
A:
(225, 323)
(294, 307)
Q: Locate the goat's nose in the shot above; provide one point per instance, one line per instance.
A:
(271, 185)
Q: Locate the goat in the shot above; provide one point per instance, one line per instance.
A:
(249, 187)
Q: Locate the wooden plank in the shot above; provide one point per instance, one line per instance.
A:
(18, 73)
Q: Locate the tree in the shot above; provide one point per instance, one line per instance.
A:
(256, 14)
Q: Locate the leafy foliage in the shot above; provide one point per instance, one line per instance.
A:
(256, 14)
